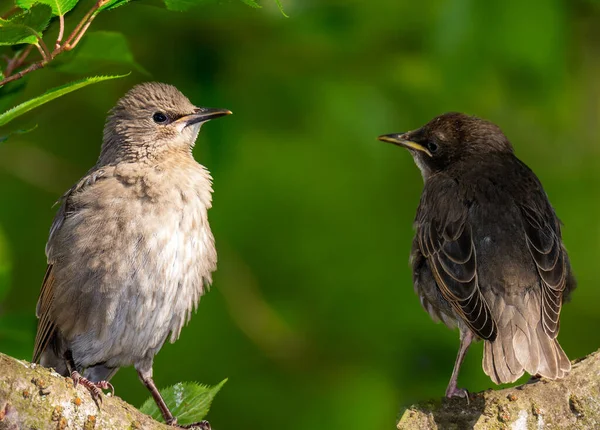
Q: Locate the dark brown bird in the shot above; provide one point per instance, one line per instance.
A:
(488, 255)
(130, 251)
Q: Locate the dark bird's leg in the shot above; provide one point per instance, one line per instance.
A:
(95, 388)
(146, 378)
(466, 337)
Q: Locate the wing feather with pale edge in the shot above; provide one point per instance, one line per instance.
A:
(46, 327)
(451, 255)
(545, 245)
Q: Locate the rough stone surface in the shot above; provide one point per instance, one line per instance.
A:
(570, 403)
(32, 397)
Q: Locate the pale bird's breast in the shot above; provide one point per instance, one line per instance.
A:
(147, 259)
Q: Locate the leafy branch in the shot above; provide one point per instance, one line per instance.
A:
(39, 17)
(22, 28)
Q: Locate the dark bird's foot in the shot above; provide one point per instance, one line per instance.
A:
(95, 388)
(202, 425)
(452, 391)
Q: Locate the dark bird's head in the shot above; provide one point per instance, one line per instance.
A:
(449, 138)
(151, 119)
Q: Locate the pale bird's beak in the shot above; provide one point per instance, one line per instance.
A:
(404, 140)
(203, 115)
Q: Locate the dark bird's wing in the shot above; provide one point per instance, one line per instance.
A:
(46, 327)
(542, 230)
(444, 237)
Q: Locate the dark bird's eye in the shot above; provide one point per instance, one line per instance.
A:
(159, 117)
(432, 147)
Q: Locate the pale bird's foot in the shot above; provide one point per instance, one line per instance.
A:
(202, 425)
(457, 392)
(95, 388)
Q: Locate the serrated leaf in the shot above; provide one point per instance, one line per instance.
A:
(99, 48)
(113, 4)
(10, 92)
(188, 401)
(183, 5)
(280, 6)
(26, 27)
(251, 3)
(49, 95)
(59, 7)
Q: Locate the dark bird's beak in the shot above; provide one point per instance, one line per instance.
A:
(404, 140)
(203, 115)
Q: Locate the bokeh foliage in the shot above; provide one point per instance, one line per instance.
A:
(312, 316)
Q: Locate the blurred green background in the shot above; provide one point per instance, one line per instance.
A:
(312, 315)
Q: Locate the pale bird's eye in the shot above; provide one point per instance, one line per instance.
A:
(159, 118)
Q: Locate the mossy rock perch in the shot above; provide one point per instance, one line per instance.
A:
(571, 403)
(32, 397)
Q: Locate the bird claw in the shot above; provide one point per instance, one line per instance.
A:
(95, 388)
(457, 392)
(105, 385)
(202, 425)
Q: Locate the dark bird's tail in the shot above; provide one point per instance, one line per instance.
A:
(522, 344)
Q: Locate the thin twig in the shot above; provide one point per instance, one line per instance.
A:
(25, 54)
(43, 54)
(83, 30)
(82, 23)
(48, 56)
(46, 53)
(61, 30)
(22, 73)
(10, 12)
(18, 60)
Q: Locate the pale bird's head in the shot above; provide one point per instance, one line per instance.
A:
(152, 119)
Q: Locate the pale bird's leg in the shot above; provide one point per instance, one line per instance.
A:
(146, 378)
(466, 337)
(95, 388)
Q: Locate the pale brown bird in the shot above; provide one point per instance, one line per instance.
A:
(488, 254)
(130, 250)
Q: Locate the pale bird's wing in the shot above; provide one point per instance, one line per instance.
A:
(46, 327)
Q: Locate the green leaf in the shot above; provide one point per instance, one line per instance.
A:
(26, 27)
(49, 95)
(252, 3)
(113, 4)
(280, 6)
(4, 138)
(98, 49)
(59, 7)
(188, 401)
(183, 5)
